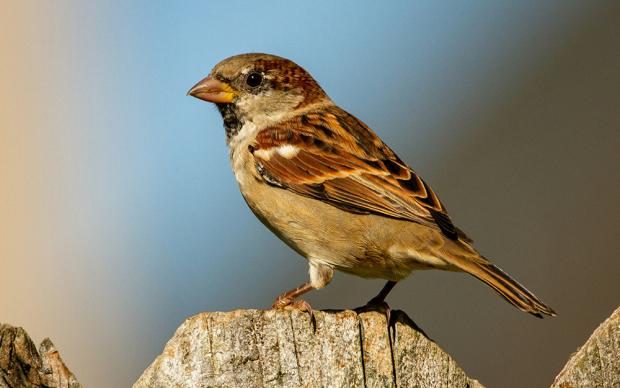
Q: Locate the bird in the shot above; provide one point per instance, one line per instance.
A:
(323, 182)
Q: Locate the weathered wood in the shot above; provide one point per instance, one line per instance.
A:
(22, 366)
(597, 362)
(282, 349)
(274, 348)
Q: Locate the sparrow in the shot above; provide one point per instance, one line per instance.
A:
(331, 189)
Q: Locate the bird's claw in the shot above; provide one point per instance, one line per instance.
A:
(377, 305)
(281, 302)
(284, 303)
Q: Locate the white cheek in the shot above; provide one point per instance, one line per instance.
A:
(246, 102)
(267, 108)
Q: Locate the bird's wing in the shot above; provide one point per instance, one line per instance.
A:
(332, 156)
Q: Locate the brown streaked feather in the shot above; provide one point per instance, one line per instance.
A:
(510, 289)
(339, 160)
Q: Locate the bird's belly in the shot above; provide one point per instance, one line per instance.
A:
(363, 245)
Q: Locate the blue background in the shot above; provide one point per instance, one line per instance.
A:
(119, 216)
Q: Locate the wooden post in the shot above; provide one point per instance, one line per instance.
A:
(21, 365)
(255, 348)
(597, 362)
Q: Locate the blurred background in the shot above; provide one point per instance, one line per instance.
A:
(120, 217)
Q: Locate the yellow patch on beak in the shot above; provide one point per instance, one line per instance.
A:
(212, 90)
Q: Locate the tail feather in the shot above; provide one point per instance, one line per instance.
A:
(507, 287)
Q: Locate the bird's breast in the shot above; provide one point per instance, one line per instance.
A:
(354, 243)
(242, 161)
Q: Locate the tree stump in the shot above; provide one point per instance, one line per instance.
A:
(21, 366)
(275, 348)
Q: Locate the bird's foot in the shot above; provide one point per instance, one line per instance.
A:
(284, 303)
(376, 304)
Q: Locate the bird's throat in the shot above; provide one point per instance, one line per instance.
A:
(232, 120)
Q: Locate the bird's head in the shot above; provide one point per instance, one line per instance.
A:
(258, 88)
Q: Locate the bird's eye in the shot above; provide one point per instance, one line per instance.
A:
(254, 79)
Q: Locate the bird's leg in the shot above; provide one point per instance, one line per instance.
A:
(320, 275)
(378, 302)
(287, 298)
(286, 301)
(380, 298)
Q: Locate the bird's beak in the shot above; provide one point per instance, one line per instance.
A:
(212, 90)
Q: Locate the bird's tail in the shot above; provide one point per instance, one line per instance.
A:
(507, 287)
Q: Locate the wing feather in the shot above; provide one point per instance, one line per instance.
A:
(339, 160)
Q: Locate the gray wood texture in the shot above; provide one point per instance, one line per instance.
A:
(275, 348)
(597, 362)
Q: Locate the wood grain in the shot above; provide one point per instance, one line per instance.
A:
(274, 348)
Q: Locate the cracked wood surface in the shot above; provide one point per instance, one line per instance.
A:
(597, 362)
(22, 366)
(274, 348)
(271, 348)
